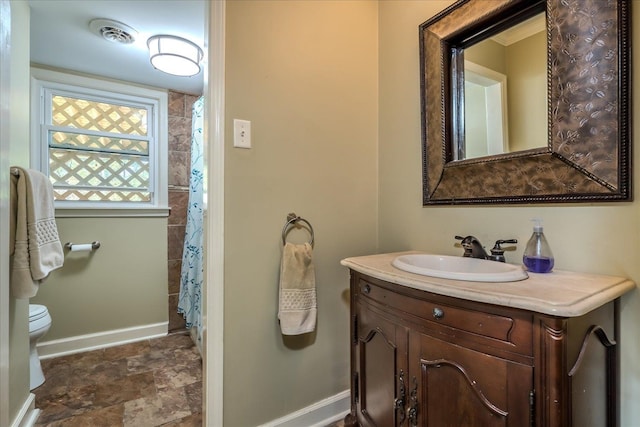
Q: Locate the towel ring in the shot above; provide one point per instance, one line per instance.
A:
(292, 219)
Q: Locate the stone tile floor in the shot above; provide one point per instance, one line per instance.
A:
(143, 384)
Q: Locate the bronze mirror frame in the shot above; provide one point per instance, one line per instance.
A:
(587, 157)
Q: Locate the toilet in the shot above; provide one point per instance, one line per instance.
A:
(39, 324)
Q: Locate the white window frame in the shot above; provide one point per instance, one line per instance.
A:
(43, 81)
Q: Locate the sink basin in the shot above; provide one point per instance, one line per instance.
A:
(459, 268)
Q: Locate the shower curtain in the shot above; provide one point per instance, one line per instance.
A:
(191, 277)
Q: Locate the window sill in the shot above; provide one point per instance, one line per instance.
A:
(143, 212)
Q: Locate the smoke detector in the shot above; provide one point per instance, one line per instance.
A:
(114, 31)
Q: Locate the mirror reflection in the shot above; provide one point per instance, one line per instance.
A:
(505, 92)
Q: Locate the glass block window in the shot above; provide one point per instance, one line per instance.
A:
(98, 151)
(101, 148)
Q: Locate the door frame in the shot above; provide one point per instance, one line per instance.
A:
(213, 308)
(214, 220)
(5, 55)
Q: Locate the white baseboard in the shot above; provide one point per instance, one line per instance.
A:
(80, 343)
(28, 414)
(320, 414)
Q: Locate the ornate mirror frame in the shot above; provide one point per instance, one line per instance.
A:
(587, 157)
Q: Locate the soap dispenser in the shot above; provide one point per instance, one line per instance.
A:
(537, 255)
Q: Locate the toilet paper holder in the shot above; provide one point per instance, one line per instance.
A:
(75, 247)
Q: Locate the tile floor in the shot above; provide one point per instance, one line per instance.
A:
(143, 384)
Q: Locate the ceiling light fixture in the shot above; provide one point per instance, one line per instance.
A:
(175, 55)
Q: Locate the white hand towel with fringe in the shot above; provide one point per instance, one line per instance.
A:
(36, 250)
(297, 305)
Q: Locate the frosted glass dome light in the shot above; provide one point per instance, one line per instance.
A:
(174, 55)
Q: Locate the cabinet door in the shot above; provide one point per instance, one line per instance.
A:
(381, 358)
(453, 386)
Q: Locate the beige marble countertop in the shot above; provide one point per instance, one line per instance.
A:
(559, 293)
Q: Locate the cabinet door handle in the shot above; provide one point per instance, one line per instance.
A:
(366, 289)
(399, 403)
(438, 313)
(413, 417)
(412, 412)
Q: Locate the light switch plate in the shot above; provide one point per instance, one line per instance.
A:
(241, 133)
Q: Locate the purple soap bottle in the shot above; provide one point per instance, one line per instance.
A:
(538, 257)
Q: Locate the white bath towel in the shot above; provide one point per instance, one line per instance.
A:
(36, 249)
(298, 307)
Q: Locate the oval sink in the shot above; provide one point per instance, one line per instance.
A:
(460, 268)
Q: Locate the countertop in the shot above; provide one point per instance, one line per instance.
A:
(559, 293)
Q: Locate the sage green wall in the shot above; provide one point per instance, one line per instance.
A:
(123, 284)
(527, 92)
(599, 238)
(305, 74)
(489, 54)
(19, 155)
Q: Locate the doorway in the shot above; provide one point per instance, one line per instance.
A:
(214, 292)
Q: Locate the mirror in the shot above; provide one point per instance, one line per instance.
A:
(504, 94)
(582, 155)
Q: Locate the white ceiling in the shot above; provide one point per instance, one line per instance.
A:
(61, 38)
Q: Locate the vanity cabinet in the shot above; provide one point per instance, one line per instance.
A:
(419, 358)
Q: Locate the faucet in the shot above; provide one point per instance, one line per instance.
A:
(497, 253)
(472, 247)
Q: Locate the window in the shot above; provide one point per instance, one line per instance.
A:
(102, 144)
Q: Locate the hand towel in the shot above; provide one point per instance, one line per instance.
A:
(36, 249)
(297, 305)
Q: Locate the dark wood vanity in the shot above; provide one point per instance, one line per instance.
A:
(420, 358)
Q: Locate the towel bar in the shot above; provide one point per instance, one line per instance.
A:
(292, 218)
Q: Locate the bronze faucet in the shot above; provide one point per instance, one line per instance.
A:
(474, 249)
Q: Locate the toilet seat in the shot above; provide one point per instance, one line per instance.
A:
(37, 311)
(39, 319)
